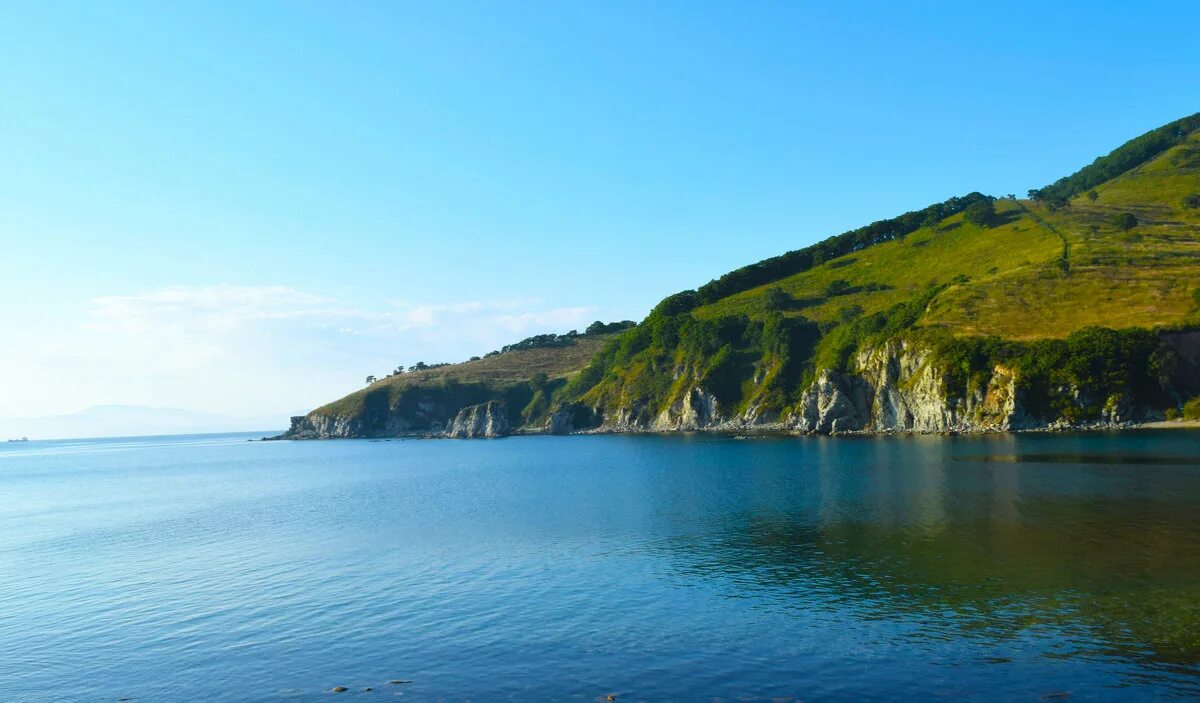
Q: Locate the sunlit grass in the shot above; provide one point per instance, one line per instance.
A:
(1008, 280)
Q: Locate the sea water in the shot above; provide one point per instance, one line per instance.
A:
(648, 568)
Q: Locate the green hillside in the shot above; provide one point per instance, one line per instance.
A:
(1016, 284)
(1067, 306)
(524, 378)
(983, 281)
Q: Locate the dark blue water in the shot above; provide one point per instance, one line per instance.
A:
(1045, 567)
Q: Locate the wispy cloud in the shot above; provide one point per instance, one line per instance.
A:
(251, 349)
(220, 304)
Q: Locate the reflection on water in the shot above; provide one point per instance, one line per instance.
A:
(1036, 567)
(1130, 459)
(915, 534)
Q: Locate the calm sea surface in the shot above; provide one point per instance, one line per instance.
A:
(209, 568)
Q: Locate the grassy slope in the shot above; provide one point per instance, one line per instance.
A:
(1017, 288)
(1141, 278)
(498, 371)
(1006, 293)
(1036, 274)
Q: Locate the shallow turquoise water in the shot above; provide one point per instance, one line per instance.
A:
(1041, 567)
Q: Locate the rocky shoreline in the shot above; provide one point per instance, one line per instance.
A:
(897, 388)
(771, 430)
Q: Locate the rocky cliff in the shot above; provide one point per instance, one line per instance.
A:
(902, 387)
(1076, 307)
(486, 420)
(898, 386)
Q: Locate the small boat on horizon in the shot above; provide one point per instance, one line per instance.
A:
(23, 439)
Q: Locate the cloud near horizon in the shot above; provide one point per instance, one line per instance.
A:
(250, 350)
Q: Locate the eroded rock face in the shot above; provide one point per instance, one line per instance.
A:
(898, 387)
(635, 418)
(911, 394)
(317, 426)
(835, 403)
(695, 410)
(322, 427)
(909, 391)
(486, 420)
(571, 417)
(998, 406)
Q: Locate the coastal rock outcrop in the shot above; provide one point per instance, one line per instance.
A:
(896, 387)
(323, 427)
(909, 390)
(912, 394)
(570, 417)
(486, 420)
(835, 402)
(695, 410)
(320, 426)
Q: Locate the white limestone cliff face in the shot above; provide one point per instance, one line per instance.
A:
(696, 409)
(323, 427)
(896, 387)
(486, 420)
(899, 387)
(835, 402)
(318, 426)
(909, 390)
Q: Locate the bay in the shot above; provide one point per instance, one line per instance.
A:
(649, 568)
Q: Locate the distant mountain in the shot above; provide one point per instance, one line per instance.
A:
(1076, 306)
(128, 421)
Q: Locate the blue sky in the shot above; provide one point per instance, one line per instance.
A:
(247, 207)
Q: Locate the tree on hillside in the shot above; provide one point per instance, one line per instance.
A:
(850, 313)
(1125, 221)
(776, 299)
(839, 287)
(981, 214)
(1092, 195)
(370, 380)
(599, 327)
(1052, 200)
(1192, 201)
(1129, 155)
